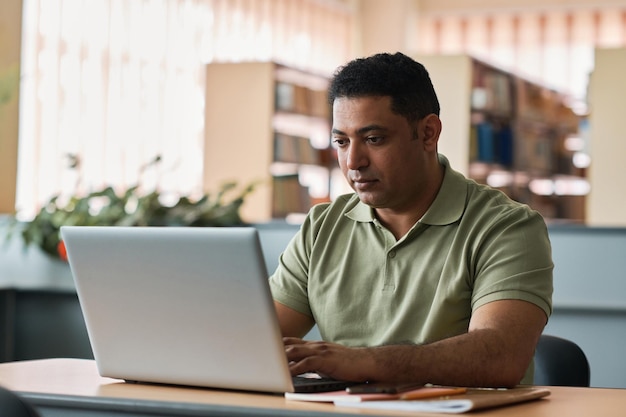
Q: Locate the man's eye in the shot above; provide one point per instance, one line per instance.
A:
(340, 142)
(374, 139)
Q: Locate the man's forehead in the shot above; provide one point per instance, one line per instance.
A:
(361, 112)
(361, 106)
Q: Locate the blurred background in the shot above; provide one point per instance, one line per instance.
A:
(115, 83)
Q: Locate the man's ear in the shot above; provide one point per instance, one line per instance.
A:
(431, 129)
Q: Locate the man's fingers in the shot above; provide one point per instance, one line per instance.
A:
(302, 366)
(293, 341)
(299, 351)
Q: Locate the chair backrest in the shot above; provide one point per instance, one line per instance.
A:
(11, 404)
(560, 362)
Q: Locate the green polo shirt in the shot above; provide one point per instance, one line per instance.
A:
(363, 287)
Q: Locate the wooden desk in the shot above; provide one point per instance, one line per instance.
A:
(65, 387)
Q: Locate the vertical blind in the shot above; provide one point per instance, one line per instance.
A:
(553, 45)
(118, 82)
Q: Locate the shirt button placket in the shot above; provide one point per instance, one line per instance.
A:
(388, 284)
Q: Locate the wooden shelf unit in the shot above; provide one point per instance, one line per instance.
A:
(269, 123)
(509, 132)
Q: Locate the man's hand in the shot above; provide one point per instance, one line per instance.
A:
(359, 364)
(328, 359)
(495, 351)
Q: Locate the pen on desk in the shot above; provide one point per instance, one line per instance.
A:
(432, 392)
(474, 388)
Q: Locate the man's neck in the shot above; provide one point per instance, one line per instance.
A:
(399, 222)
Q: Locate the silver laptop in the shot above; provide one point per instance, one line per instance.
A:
(180, 305)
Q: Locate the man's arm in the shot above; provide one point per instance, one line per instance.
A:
(292, 322)
(495, 352)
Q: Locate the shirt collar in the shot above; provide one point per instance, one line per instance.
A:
(449, 204)
(447, 208)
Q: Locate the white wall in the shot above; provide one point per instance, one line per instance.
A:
(590, 297)
(607, 89)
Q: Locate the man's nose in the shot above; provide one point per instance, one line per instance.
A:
(356, 157)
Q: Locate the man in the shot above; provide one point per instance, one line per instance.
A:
(421, 275)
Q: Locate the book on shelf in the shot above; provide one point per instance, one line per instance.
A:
(534, 149)
(492, 143)
(492, 90)
(505, 145)
(318, 103)
(295, 149)
(285, 96)
(289, 196)
(299, 99)
(285, 148)
(484, 142)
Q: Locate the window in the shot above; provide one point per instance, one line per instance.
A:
(118, 82)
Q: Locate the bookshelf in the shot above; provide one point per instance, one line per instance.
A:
(511, 133)
(268, 123)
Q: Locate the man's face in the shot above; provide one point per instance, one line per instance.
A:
(381, 154)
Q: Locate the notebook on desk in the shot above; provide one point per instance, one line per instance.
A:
(183, 306)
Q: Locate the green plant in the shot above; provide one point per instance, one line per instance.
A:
(106, 207)
(9, 82)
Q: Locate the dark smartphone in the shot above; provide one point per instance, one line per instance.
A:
(382, 388)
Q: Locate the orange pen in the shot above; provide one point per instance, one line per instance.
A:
(431, 392)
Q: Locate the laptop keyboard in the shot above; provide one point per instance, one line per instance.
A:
(318, 384)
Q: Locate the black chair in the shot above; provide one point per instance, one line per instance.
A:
(560, 362)
(11, 404)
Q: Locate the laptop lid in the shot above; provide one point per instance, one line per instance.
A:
(186, 306)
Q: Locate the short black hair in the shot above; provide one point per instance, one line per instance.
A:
(397, 76)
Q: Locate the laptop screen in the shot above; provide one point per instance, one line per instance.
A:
(188, 306)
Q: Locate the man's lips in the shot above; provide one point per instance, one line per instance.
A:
(362, 179)
(363, 182)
